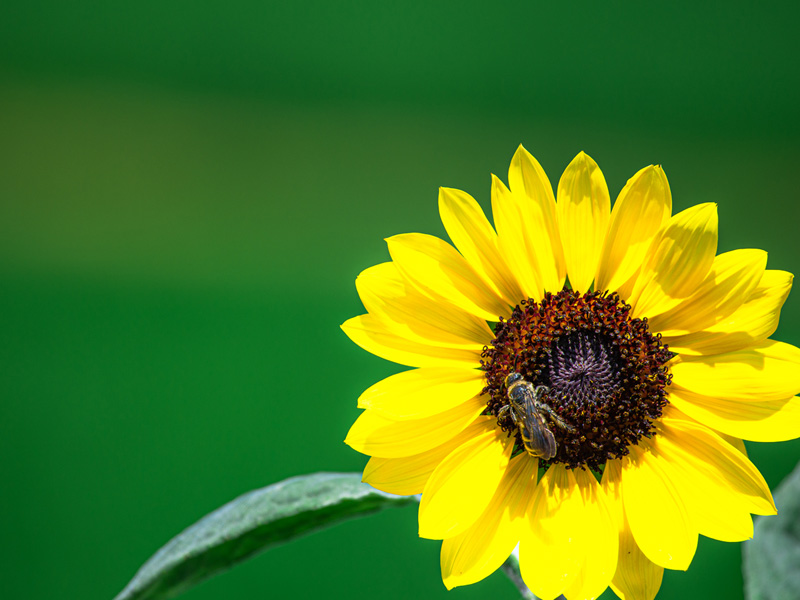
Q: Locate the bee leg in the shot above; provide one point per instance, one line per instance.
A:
(554, 415)
(502, 411)
(539, 391)
(505, 409)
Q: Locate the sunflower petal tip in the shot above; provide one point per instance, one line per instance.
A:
(348, 325)
(428, 532)
(348, 440)
(447, 194)
(652, 171)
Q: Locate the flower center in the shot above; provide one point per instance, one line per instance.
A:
(603, 374)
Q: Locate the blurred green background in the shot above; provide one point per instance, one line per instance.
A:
(188, 190)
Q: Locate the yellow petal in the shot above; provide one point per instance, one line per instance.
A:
(642, 207)
(484, 547)
(659, 521)
(733, 277)
(548, 554)
(612, 487)
(671, 411)
(414, 316)
(753, 322)
(625, 289)
(716, 512)
(439, 271)
(473, 235)
(770, 421)
(636, 577)
(570, 545)
(528, 181)
(409, 474)
(460, 488)
(583, 209)
(737, 443)
(677, 261)
(513, 239)
(600, 539)
(769, 370)
(378, 436)
(422, 392)
(715, 464)
(373, 336)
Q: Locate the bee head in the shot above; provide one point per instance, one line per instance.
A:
(512, 378)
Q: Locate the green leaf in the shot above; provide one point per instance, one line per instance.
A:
(251, 524)
(772, 558)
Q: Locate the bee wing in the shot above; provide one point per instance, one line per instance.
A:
(540, 439)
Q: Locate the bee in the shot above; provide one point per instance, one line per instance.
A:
(527, 412)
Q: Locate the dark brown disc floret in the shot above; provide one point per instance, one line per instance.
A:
(605, 374)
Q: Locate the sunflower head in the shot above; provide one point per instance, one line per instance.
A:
(604, 373)
(582, 379)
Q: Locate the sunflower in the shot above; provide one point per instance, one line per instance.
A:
(582, 381)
